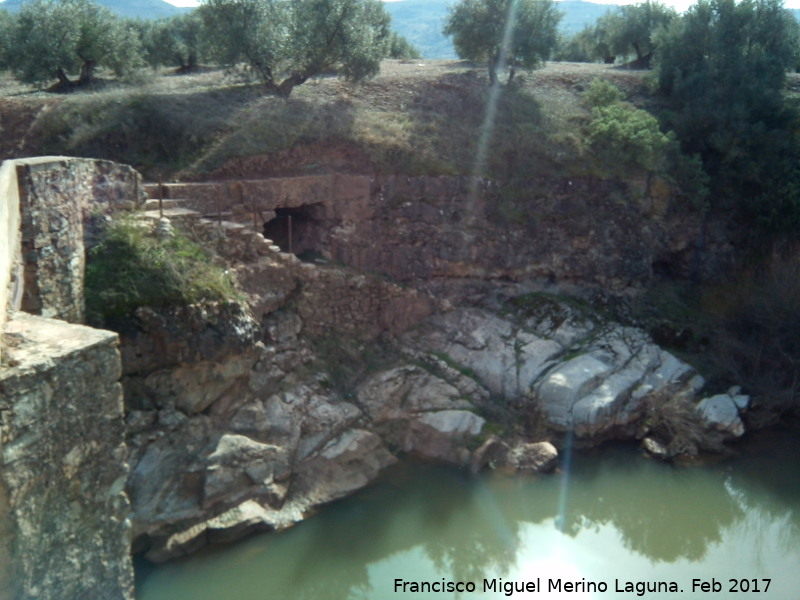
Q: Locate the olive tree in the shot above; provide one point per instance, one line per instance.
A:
(504, 33)
(178, 41)
(283, 44)
(56, 39)
(635, 28)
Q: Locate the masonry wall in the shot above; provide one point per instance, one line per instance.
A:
(64, 514)
(9, 240)
(456, 231)
(60, 198)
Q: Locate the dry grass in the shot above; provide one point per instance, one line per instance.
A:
(416, 117)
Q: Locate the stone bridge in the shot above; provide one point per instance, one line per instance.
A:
(64, 515)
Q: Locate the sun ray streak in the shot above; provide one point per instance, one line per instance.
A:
(561, 517)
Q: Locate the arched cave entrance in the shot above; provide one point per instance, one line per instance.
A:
(299, 230)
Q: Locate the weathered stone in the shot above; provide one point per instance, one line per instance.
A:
(505, 360)
(540, 457)
(405, 391)
(192, 389)
(240, 466)
(64, 514)
(57, 197)
(564, 385)
(655, 448)
(347, 463)
(720, 413)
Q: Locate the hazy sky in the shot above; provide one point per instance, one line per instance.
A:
(679, 5)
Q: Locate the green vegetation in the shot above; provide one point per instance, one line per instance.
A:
(179, 41)
(504, 33)
(626, 32)
(50, 39)
(130, 267)
(284, 44)
(722, 71)
(756, 320)
(156, 133)
(634, 29)
(400, 47)
(281, 44)
(625, 140)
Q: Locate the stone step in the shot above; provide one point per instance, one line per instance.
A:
(173, 213)
(152, 203)
(225, 214)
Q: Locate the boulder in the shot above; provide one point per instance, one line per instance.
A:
(721, 413)
(540, 457)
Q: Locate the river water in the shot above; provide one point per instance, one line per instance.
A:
(610, 521)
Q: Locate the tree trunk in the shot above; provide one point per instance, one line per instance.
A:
(286, 86)
(492, 71)
(87, 72)
(63, 80)
(511, 72)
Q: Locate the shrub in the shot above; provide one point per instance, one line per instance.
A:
(622, 137)
(130, 268)
(757, 339)
(602, 92)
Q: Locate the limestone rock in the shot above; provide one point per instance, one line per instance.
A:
(423, 414)
(346, 464)
(592, 378)
(721, 413)
(504, 359)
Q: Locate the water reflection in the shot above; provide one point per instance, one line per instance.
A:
(622, 514)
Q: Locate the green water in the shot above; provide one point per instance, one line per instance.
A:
(612, 517)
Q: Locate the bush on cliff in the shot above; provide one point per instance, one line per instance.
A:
(624, 139)
(757, 333)
(129, 268)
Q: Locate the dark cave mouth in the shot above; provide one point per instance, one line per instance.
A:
(297, 230)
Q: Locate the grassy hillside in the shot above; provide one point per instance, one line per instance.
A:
(417, 118)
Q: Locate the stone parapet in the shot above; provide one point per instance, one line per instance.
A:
(9, 241)
(59, 198)
(64, 514)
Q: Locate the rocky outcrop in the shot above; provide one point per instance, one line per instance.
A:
(559, 368)
(262, 434)
(221, 424)
(247, 415)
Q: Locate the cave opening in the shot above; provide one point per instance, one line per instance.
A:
(298, 230)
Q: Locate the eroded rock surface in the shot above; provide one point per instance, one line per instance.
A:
(265, 435)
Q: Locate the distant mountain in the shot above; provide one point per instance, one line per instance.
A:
(421, 22)
(144, 9)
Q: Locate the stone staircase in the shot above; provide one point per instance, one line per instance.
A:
(232, 224)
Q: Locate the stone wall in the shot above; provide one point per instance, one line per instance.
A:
(9, 240)
(59, 199)
(583, 233)
(64, 514)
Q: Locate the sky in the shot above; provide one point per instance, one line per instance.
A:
(679, 5)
